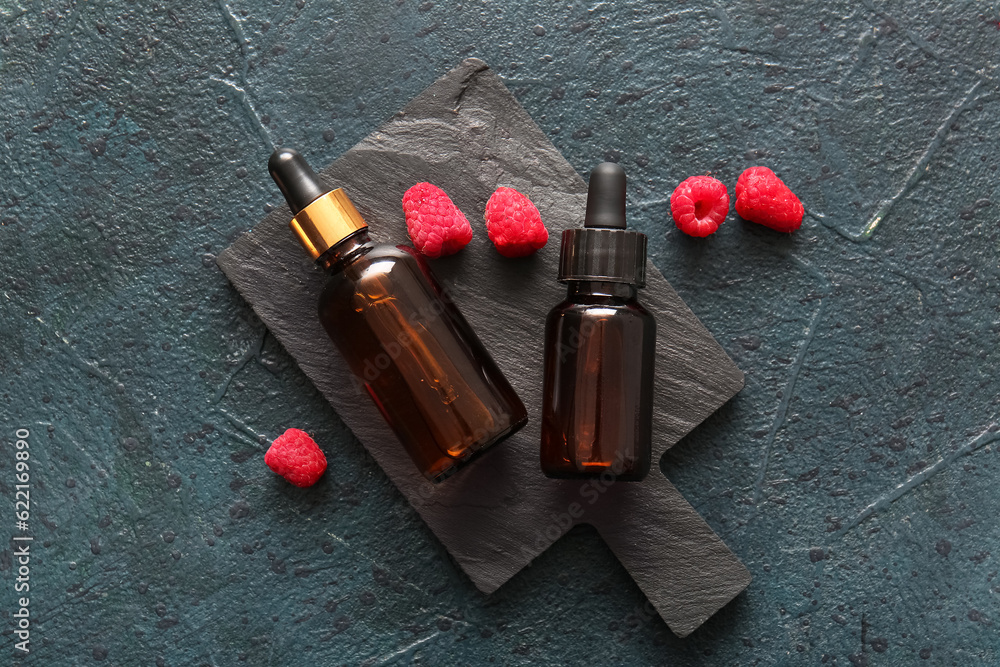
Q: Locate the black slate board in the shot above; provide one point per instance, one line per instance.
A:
(467, 134)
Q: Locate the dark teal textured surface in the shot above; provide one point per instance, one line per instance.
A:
(855, 475)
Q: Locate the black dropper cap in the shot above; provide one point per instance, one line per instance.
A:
(603, 250)
(606, 197)
(296, 179)
(321, 218)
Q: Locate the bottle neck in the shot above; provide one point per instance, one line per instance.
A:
(345, 252)
(599, 289)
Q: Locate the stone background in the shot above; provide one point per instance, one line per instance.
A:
(854, 475)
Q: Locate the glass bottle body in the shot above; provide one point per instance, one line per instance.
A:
(598, 384)
(410, 349)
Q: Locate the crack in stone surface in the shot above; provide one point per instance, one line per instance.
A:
(989, 436)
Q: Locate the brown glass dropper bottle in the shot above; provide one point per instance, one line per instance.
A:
(600, 346)
(404, 340)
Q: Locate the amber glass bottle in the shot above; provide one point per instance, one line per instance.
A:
(600, 347)
(404, 340)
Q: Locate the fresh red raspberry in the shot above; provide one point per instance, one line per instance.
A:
(761, 197)
(436, 226)
(699, 205)
(296, 457)
(513, 224)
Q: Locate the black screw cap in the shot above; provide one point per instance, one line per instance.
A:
(606, 197)
(296, 179)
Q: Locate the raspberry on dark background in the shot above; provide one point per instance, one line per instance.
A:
(763, 198)
(296, 457)
(699, 205)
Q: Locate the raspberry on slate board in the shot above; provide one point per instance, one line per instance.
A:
(435, 225)
(514, 224)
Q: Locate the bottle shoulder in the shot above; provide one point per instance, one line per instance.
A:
(572, 315)
(377, 261)
(384, 252)
(382, 270)
(597, 305)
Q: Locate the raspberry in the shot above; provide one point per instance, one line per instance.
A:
(435, 224)
(513, 223)
(761, 197)
(296, 457)
(699, 205)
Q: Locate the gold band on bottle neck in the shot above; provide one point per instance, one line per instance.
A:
(326, 222)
